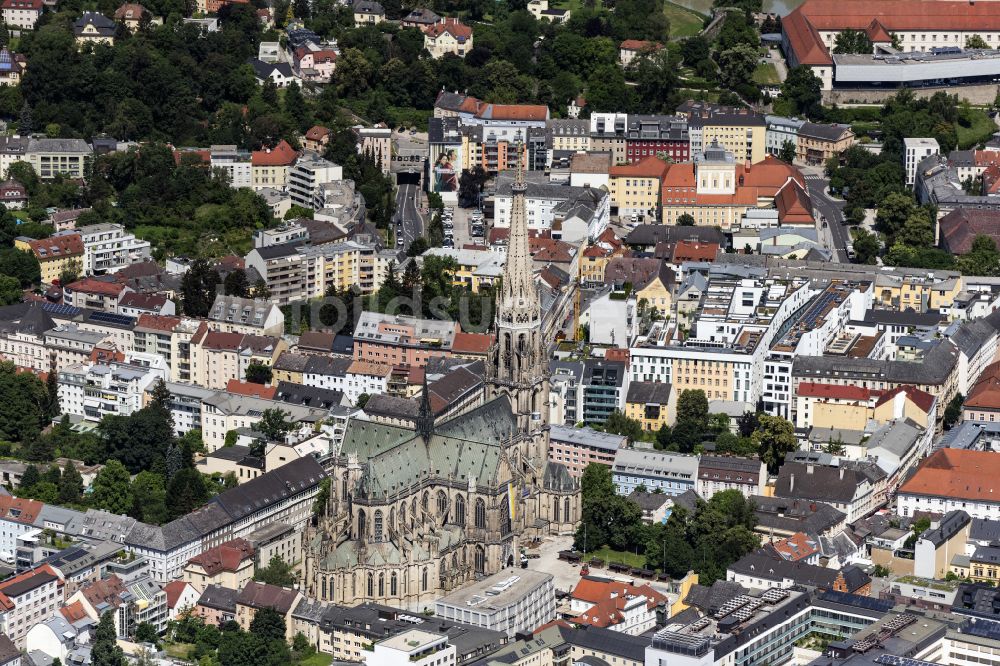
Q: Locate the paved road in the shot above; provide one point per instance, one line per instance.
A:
(833, 210)
(407, 200)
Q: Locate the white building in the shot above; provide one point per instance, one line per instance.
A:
(672, 473)
(236, 164)
(915, 150)
(612, 320)
(502, 602)
(31, 597)
(307, 175)
(781, 130)
(107, 248)
(93, 391)
(413, 648)
(545, 203)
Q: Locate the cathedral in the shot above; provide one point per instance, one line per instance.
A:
(416, 512)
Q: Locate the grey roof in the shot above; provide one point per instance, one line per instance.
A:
(587, 437)
(907, 317)
(219, 598)
(310, 396)
(950, 524)
(46, 145)
(971, 336)
(934, 368)
(263, 69)
(709, 599)
(896, 437)
(824, 131)
(599, 371)
(104, 25)
(984, 529)
(328, 365)
(788, 515)
(617, 643)
(648, 501)
(762, 565)
(656, 393)
(688, 500)
(817, 482)
(651, 234)
(278, 251)
(291, 362)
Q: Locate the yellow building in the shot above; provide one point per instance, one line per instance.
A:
(94, 28)
(448, 36)
(54, 254)
(920, 292)
(650, 403)
(269, 167)
(818, 142)
(570, 135)
(658, 291)
(635, 188)
(368, 13)
(476, 268)
(217, 357)
(230, 565)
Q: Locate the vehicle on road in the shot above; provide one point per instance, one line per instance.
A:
(399, 242)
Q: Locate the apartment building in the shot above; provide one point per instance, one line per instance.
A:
(307, 175)
(235, 163)
(656, 470)
(448, 36)
(224, 411)
(635, 188)
(218, 357)
(719, 473)
(95, 390)
(60, 252)
(575, 448)
(232, 314)
(737, 129)
(270, 167)
(21, 14)
(53, 157)
(108, 248)
(296, 272)
(400, 340)
(27, 599)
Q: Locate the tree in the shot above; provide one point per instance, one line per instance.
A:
(893, 212)
(982, 259)
(619, 424)
(295, 106)
(258, 373)
(685, 220)
(852, 41)
(23, 402)
(70, 485)
(24, 123)
(976, 42)
(185, 493)
(787, 152)
(149, 498)
(362, 401)
(866, 246)
(236, 284)
(146, 633)
(260, 289)
(268, 624)
(692, 407)
(10, 290)
(29, 478)
(803, 91)
(953, 411)
(198, 288)
(104, 650)
(111, 490)
(273, 424)
(774, 438)
(52, 409)
(418, 246)
(737, 64)
(277, 572)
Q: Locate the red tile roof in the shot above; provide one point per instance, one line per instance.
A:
(19, 510)
(685, 250)
(958, 474)
(158, 322)
(221, 340)
(228, 556)
(805, 42)
(174, 589)
(105, 591)
(281, 155)
(649, 167)
(57, 247)
(922, 399)
(317, 133)
(609, 598)
(762, 180)
(22, 4)
(833, 392)
(134, 299)
(639, 45)
(796, 547)
(73, 612)
(251, 389)
(513, 112)
(793, 204)
(471, 343)
(452, 26)
(961, 226)
(95, 286)
(877, 32)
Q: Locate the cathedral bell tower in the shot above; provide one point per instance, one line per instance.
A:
(518, 361)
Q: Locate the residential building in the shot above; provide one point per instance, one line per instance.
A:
(217, 605)
(255, 596)
(51, 157)
(230, 564)
(852, 490)
(545, 203)
(625, 607)
(576, 448)
(950, 480)
(131, 14)
(27, 599)
(270, 167)
(232, 314)
(223, 411)
(234, 162)
(818, 142)
(630, 49)
(367, 12)
(94, 28)
(719, 473)
(108, 248)
(58, 253)
(448, 35)
(541, 11)
(420, 17)
(95, 390)
(307, 175)
(737, 129)
(518, 602)
(763, 570)
(650, 403)
(399, 340)
(915, 150)
(416, 647)
(781, 130)
(281, 75)
(665, 137)
(13, 194)
(935, 548)
(21, 14)
(603, 388)
(670, 472)
(217, 357)
(635, 188)
(376, 142)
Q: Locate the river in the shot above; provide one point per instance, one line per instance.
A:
(780, 7)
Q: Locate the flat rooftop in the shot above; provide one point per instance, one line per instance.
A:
(496, 591)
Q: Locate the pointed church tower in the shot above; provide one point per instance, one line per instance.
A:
(518, 363)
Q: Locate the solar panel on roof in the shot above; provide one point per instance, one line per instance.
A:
(857, 600)
(61, 309)
(112, 318)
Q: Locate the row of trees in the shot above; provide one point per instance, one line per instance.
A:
(718, 533)
(757, 434)
(264, 643)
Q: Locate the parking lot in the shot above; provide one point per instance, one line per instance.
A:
(462, 220)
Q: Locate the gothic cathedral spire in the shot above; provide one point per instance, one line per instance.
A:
(518, 365)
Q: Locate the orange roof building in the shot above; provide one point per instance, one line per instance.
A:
(808, 33)
(269, 167)
(55, 254)
(600, 602)
(716, 190)
(952, 479)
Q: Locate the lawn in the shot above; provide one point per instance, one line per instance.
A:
(318, 659)
(683, 21)
(765, 75)
(979, 130)
(610, 556)
(180, 651)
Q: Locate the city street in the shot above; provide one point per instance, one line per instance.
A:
(832, 209)
(408, 198)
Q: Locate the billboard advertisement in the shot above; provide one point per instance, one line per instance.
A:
(446, 167)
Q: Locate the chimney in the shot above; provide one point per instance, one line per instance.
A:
(809, 469)
(791, 482)
(841, 473)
